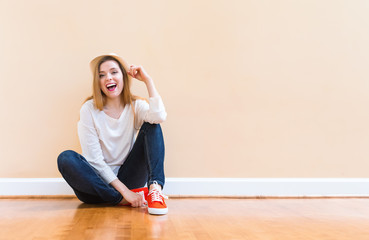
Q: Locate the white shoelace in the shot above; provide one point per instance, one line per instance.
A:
(157, 196)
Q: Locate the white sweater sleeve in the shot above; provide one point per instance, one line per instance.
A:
(152, 112)
(90, 145)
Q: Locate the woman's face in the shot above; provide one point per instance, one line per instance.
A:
(111, 79)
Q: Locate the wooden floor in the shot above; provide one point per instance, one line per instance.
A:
(221, 219)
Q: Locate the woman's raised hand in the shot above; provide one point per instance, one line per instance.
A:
(138, 72)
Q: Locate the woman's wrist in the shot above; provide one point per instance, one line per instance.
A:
(148, 81)
(151, 88)
(123, 190)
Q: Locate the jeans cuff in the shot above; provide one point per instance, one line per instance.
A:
(161, 183)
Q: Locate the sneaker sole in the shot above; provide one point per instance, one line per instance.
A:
(158, 211)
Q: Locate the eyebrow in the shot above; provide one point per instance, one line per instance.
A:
(109, 69)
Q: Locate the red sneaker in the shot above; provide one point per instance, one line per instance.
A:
(142, 191)
(155, 202)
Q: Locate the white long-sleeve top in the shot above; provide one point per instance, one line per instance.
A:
(106, 141)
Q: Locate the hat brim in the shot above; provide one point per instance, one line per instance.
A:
(94, 62)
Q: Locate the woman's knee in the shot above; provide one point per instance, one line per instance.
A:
(66, 159)
(153, 128)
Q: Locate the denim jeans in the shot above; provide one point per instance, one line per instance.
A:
(144, 164)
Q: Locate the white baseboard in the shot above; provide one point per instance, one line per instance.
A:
(245, 187)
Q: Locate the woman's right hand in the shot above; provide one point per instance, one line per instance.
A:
(135, 199)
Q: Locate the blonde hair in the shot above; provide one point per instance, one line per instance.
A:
(99, 97)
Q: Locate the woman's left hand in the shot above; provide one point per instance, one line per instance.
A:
(139, 73)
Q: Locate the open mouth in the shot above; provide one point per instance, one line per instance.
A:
(111, 86)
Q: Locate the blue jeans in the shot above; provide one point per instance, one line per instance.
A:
(144, 164)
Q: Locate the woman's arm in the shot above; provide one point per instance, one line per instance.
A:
(90, 144)
(154, 112)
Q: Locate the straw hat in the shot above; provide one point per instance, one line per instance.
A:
(97, 59)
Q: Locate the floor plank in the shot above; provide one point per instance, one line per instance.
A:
(272, 219)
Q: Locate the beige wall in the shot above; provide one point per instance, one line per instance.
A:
(252, 88)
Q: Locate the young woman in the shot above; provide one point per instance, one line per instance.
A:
(115, 161)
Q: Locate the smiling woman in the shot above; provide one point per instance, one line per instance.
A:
(115, 165)
(111, 80)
